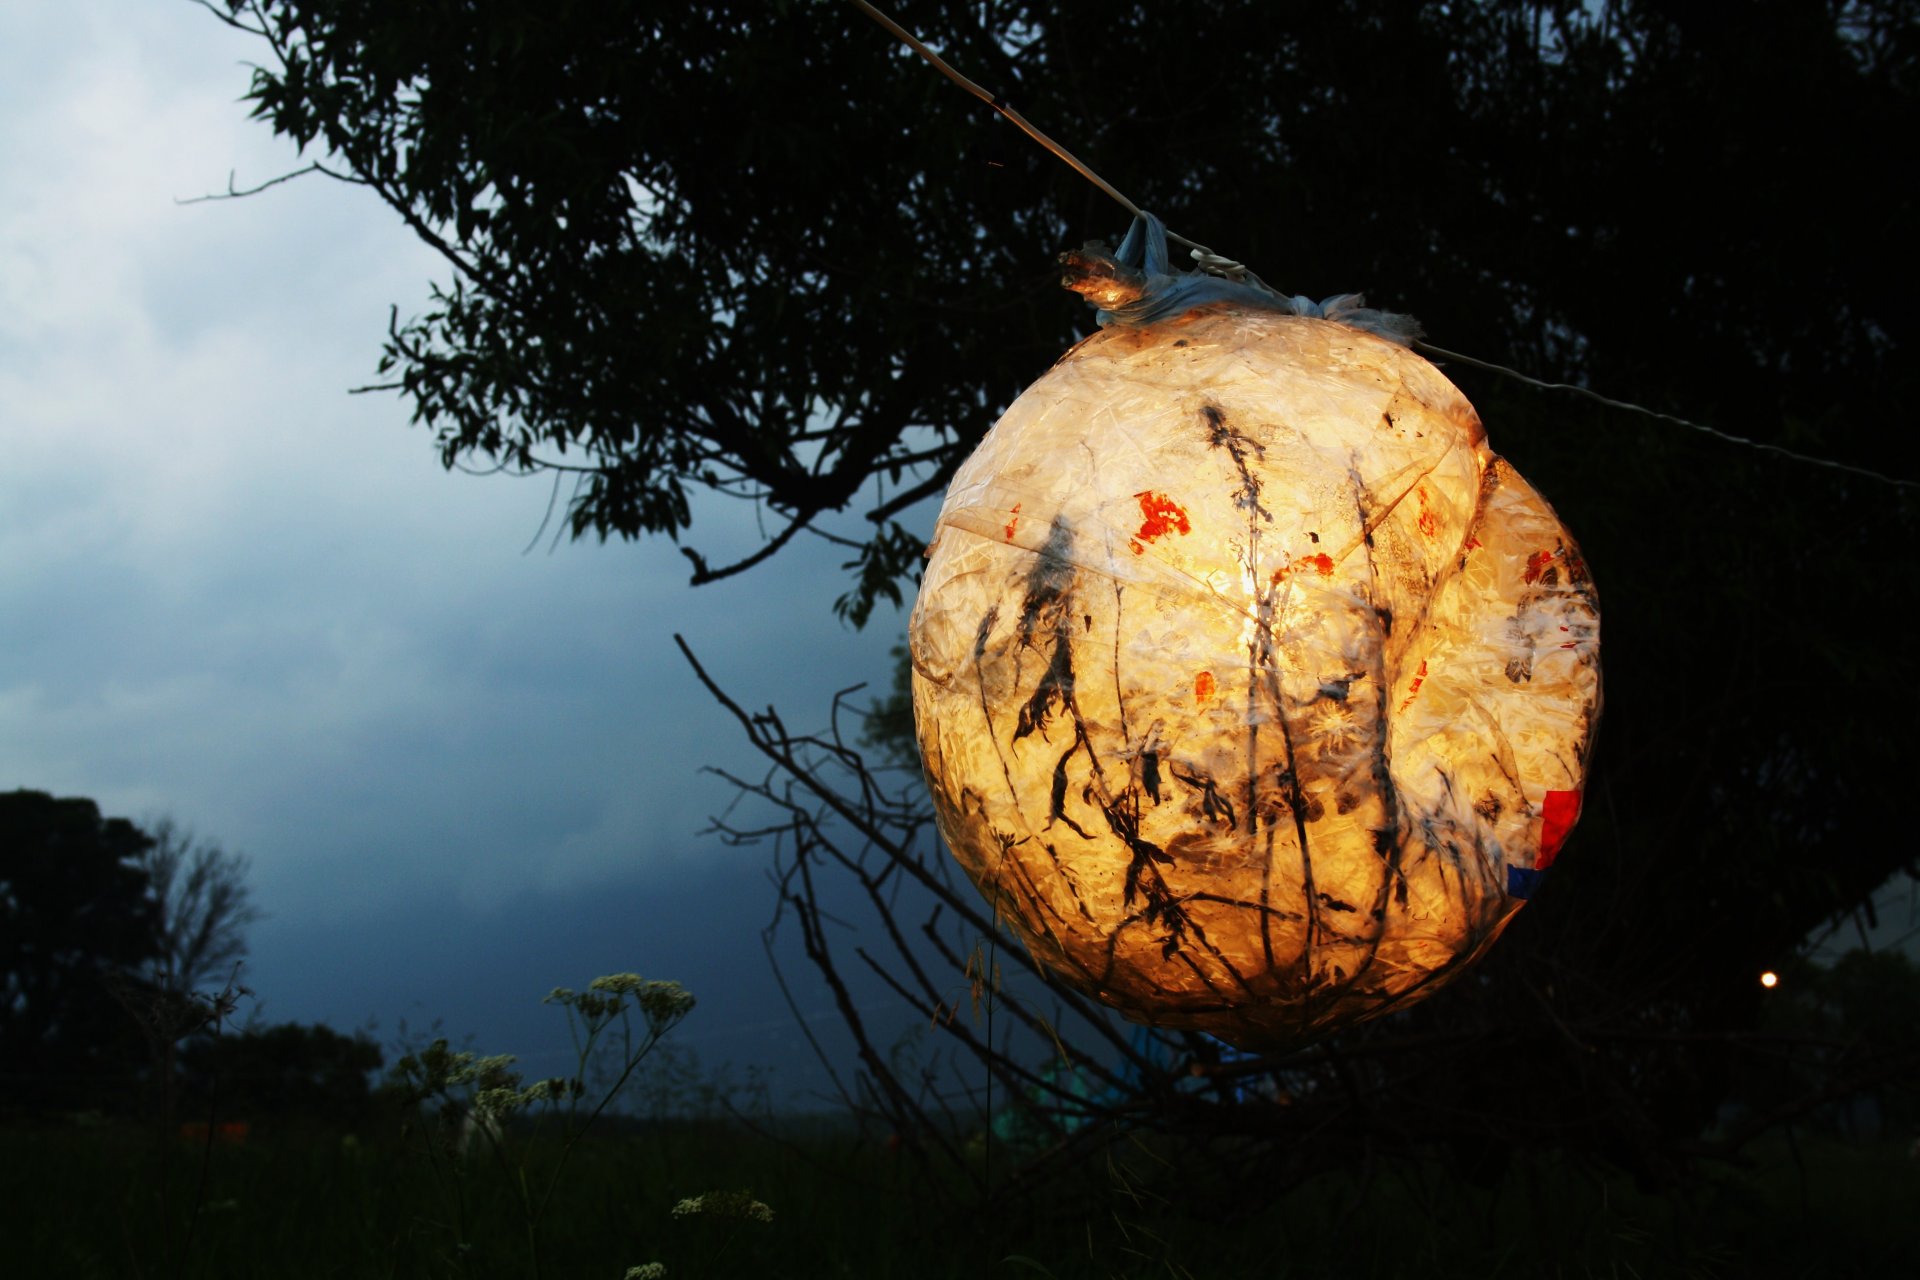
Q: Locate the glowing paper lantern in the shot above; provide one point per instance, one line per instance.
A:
(1253, 690)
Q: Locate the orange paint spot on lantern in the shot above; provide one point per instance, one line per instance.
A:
(1013, 521)
(1428, 522)
(1160, 515)
(1320, 562)
(1203, 687)
(1537, 564)
(1419, 678)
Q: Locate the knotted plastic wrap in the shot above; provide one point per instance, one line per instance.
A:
(1253, 690)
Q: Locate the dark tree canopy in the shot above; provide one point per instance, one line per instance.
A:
(758, 249)
(283, 1072)
(74, 911)
(110, 937)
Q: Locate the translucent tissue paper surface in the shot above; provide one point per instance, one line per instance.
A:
(1254, 691)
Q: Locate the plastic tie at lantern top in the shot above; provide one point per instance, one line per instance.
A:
(1136, 285)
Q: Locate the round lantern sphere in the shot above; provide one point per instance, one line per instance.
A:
(1253, 690)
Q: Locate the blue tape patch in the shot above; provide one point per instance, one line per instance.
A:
(1522, 881)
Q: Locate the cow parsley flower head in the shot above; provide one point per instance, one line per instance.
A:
(552, 1089)
(736, 1206)
(647, 1271)
(493, 1071)
(661, 1001)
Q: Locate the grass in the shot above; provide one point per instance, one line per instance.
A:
(85, 1202)
(551, 1187)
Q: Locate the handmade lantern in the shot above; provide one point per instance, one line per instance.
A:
(1253, 690)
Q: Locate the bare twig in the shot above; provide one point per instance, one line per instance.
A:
(237, 193)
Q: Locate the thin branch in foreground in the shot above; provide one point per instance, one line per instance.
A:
(1407, 1086)
(702, 574)
(236, 193)
(231, 20)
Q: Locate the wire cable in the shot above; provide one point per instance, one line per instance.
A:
(1578, 390)
(1217, 264)
(1005, 108)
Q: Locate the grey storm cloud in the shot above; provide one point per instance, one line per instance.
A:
(233, 593)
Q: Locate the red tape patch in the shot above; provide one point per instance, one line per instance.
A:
(1561, 811)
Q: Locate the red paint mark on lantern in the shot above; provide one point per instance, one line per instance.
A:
(1419, 678)
(1202, 687)
(1013, 521)
(1472, 544)
(1537, 564)
(1160, 515)
(1557, 817)
(1428, 522)
(1320, 562)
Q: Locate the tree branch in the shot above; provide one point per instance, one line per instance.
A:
(234, 193)
(703, 575)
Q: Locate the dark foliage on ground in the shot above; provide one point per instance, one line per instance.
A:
(283, 1073)
(318, 1203)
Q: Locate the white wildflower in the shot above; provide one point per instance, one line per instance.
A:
(491, 1070)
(553, 1089)
(737, 1206)
(661, 1001)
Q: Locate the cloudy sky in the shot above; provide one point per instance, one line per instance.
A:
(232, 593)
